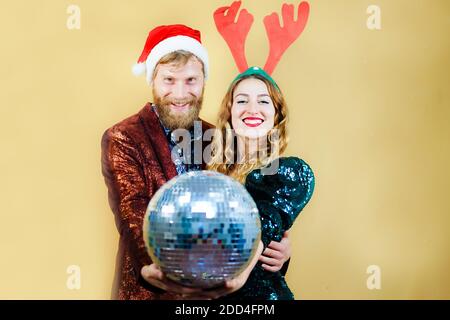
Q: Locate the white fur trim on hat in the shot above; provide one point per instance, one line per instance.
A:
(170, 45)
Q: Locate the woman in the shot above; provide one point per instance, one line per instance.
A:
(252, 113)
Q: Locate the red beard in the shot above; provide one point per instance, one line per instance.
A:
(182, 119)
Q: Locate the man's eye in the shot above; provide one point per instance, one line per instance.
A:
(191, 80)
(168, 79)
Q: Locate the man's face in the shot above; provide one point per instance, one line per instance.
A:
(178, 93)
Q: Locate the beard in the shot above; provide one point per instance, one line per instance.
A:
(172, 119)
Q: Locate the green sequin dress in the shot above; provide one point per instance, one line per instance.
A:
(280, 197)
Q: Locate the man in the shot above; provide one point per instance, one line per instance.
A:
(137, 160)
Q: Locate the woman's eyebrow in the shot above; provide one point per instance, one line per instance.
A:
(263, 95)
(241, 94)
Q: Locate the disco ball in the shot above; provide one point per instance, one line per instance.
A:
(202, 228)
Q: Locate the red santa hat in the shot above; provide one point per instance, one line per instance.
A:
(163, 40)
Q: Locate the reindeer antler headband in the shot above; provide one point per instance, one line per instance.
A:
(280, 38)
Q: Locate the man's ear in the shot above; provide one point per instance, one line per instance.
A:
(195, 58)
(155, 72)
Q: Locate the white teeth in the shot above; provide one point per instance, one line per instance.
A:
(253, 121)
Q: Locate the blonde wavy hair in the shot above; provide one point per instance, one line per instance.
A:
(223, 153)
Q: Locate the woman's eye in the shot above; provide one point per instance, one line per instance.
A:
(264, 101)
(241, 101)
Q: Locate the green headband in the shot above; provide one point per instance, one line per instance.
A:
(252, 71)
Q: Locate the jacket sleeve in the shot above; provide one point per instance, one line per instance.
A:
(128, 192)
(281, 197)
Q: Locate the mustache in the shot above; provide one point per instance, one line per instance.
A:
(187, 100)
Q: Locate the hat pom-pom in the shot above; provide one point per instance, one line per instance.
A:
(139, 68)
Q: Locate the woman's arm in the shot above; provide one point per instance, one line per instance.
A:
(280, 197)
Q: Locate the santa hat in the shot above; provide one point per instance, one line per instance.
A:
(163, 40)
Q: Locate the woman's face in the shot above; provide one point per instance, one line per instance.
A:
(252, 112)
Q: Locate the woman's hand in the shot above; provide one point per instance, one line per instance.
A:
(276, 254)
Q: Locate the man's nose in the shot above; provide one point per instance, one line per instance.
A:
(180, 91)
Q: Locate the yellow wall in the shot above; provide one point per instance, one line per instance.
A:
(369, 112)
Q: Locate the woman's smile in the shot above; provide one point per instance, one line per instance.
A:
(252, 121)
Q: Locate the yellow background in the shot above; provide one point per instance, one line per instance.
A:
(369, 112)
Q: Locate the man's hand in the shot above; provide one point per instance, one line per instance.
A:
(276, 254)
(153, 275)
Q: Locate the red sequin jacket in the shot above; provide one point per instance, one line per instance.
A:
(136, 161)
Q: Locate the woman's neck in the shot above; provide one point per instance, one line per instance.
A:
(250, 149)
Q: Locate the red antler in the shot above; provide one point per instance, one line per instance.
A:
(280, 38)
(234, 34)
